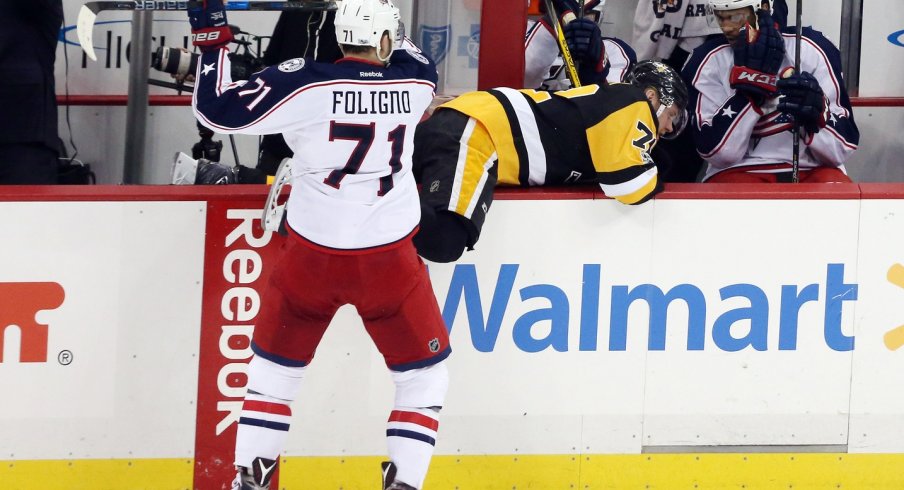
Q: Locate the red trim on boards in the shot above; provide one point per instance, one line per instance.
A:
(122, 100)
(246, 192)
(881, 191)
(877, 101)
(12, 193)
(761, 191)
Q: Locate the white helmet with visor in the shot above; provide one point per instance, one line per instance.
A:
(719, 5)
(734, 4)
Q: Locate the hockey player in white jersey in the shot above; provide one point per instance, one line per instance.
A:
(600, 59)
(663, 28)
(745, 98)
(351, 214)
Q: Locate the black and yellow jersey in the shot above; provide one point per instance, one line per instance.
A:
(593, 133)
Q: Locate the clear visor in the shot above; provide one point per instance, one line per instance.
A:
(679, 121)
(718, 18)
(399, 36)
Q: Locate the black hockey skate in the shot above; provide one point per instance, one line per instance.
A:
(257, 477)
(389, 481)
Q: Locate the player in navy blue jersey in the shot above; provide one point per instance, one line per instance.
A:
(745, 98)
(350, 217)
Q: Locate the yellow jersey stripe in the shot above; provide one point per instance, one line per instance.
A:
(484, 107)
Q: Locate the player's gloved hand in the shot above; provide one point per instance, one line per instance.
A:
(214, 173)
(758, 55)
(209, 29)
(803, 98)
(585, 43)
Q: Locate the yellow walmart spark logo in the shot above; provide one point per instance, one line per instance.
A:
(894, 338)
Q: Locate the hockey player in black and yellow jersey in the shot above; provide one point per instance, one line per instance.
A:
(592, 134)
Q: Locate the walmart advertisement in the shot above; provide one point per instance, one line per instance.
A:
(578, 326)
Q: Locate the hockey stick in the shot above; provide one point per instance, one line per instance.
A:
(272, 217)
(88, 13)
(795, 151)
(570, 69)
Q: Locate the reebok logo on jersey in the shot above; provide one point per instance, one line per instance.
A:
(289, 66)
(19, 303)
(370, 74)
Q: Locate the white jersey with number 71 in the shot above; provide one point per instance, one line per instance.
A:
(350, 125)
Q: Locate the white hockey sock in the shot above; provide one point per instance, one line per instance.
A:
(264, 423)
(411, 437)
(262, 429)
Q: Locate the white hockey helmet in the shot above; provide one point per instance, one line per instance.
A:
(718, 5)
(363, 22)
(735, 4)
(596, 10)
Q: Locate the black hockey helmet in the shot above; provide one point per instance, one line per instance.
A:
(668, 84)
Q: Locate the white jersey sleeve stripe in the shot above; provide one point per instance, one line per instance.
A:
(460, 163)
(836, 87)
(630, 186)
(536, 155)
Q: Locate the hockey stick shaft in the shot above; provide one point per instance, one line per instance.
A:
(795, 150)
(88, 13)
(570, 69)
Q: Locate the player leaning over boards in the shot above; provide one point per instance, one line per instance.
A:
(350, 217)
(744, 98)
(592, 134)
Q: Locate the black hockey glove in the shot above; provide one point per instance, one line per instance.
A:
(585, 43)
(758, 55)
(802, 97)
(214, 173)
(209, 29)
